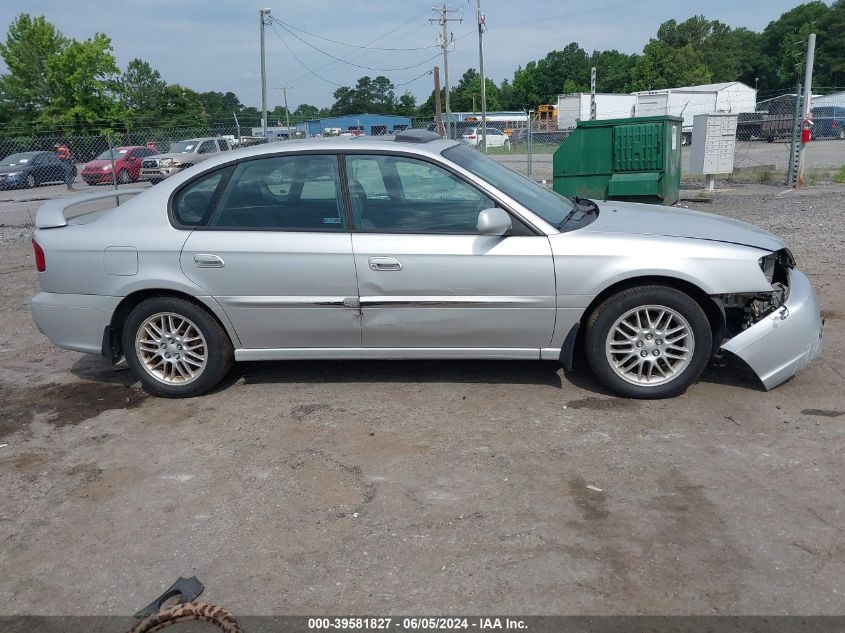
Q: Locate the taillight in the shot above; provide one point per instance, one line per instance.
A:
(40, 260)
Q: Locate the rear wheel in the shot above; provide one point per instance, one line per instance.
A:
(175, 348)
(648, 342)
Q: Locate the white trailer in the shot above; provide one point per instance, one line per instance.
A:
(575, 106)
(724, 98)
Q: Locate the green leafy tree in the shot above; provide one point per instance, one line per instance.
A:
(80, 79)
(139, 87)
(407, 104)
(180, 107)
(343, 101)
(383, 96)
(306, 111)
(31, 43)
(613, 70)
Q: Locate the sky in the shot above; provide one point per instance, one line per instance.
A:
(214, 44)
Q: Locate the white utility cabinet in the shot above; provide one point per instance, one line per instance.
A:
(713, 144)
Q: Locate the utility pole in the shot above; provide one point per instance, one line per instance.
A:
(438, 113)
(807, 113)
(481, 20)
(237, 126)
(287, 112)
(265, 19)
(443, 21)
(593, 93)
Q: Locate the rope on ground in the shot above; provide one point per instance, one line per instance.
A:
(201, 611)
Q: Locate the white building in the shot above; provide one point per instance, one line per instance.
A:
(731, 97)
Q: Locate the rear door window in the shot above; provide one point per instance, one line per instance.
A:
(282, 193)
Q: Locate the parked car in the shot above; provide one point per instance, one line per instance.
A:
(127, 165)
(495, 137)
(416, 247)
(182, 154)
(829, 122)
(31, 169)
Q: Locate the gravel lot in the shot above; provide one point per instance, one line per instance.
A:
(426, 487)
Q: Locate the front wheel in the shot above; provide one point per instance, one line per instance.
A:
(175, 348)
(123, 177)
(30, 181)
(648, 342)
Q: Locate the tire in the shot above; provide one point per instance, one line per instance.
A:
(612, 335)
(123, 177)
(29, 183)
(148, 327)
(842, 134)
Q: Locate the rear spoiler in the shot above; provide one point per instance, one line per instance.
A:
(52, 213)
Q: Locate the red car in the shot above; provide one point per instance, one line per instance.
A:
(127, 165)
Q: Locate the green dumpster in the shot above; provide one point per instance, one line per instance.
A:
(637, 159)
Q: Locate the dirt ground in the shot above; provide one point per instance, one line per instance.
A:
(427, 487)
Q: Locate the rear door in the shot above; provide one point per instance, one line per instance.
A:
(427, 279)
(272, 246)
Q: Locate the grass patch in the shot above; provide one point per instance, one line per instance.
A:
(840, 175)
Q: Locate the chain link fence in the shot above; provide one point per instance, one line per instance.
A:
(766, 144)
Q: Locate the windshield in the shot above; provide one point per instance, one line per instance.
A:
(16, 159)
(107, 154)
(547, 204)
(182, 147)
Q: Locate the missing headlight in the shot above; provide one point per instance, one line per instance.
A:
(775, 266)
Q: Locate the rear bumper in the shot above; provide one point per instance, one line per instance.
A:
(787, 340)
(74, 322)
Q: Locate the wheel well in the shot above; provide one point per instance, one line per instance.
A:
(711, 309)
(112, 345)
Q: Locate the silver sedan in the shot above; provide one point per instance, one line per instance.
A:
(407, 248)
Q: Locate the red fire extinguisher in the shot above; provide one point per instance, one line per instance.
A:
(806, 130)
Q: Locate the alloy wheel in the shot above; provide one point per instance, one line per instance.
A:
(171, 348)
(650, 345)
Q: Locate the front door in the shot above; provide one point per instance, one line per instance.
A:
(272, 247)
(427, 279)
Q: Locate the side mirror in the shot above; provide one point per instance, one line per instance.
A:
(494, 222)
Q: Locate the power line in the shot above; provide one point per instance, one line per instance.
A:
(302, 63)
(363, 47)
(410, 81)
(319, 50)
(373, 41)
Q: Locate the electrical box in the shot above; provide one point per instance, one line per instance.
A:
(713, 144)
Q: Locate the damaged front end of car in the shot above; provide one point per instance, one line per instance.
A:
(777, 332)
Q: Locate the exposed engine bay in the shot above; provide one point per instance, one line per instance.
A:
(741, 311)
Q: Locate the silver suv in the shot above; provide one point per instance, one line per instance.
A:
(182, 154)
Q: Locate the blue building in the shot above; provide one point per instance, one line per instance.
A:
(370, 124)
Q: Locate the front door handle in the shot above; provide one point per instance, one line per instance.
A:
(207, 260)
(385, 263)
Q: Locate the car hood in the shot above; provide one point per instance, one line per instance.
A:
(99, 164)
(647, 219)
(5, 169)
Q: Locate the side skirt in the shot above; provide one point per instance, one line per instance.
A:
(402, 353)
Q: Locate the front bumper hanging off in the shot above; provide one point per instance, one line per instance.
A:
(785, 341)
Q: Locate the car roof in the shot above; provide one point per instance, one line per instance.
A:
(338, 144)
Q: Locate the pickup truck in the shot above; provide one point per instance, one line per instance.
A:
(182, 154)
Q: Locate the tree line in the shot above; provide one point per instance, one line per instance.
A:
(57, 82)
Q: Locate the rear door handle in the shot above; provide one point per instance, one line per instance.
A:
(207, 260)
(385, 263)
